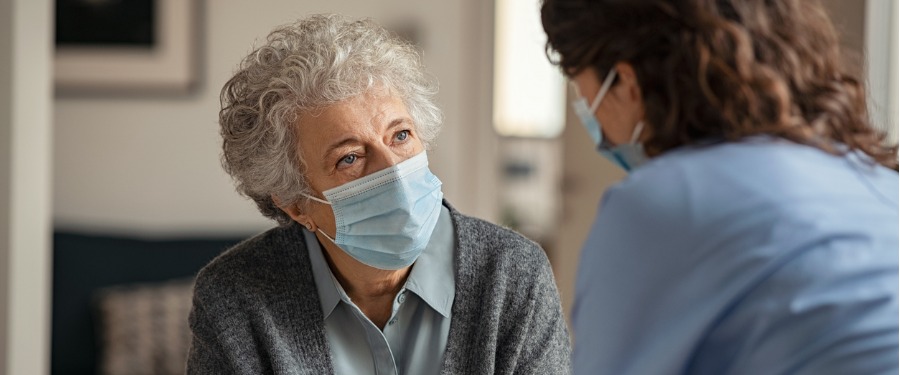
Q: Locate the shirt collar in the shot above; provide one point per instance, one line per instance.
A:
(330, 292)
(431, 278)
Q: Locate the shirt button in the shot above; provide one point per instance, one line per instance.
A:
(402, 297)
(392, 321)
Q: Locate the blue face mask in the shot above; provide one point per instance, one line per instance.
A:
(627, 156)
(385, 219)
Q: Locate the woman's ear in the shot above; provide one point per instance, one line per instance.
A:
(628, 77)
(630, 90)
(296, 213)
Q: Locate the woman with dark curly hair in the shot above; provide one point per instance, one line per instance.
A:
(757, 231)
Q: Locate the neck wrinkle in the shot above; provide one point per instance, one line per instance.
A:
(360, 281)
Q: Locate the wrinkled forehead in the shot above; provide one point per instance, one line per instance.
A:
(363, 117)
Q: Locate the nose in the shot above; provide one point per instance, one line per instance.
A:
(381, 157)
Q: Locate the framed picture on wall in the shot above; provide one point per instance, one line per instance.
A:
(133, 46)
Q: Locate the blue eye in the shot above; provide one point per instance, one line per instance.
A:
(349, 159)
(402, 135)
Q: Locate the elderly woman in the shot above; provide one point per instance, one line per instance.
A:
(325, 127)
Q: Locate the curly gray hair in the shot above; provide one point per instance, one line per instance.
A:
(306, 66)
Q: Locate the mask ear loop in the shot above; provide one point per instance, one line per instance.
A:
(637, 131)
(323, 202)
(607, 84)
(326, 235)
(316, 199)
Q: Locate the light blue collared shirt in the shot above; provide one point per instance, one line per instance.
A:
(415, 337)
(758, 257)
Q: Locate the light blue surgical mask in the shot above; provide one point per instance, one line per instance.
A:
(385, 219)
(627, 156)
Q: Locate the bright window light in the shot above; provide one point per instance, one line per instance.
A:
(529, 92)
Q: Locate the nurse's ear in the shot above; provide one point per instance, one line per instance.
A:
(628, 92)
(296, 212)
(628, 87)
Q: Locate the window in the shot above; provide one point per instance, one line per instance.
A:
(529, 92)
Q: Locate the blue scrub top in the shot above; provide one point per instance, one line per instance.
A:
(758, 257)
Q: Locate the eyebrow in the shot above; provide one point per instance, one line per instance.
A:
(339, 144)
(399, 121)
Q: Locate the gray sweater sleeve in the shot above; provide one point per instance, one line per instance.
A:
(256, 311)
(508, 317)
(547, 349)
(205, 356)
(215, 322)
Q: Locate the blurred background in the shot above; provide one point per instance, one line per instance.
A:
(111, 192)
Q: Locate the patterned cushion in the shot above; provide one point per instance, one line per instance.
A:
(144, 328)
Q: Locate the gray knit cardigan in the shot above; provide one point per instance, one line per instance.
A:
(256, 308)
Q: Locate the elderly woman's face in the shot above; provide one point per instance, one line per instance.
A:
(352, 139)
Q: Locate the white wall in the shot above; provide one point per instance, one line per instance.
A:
(149, 165)
(25, 148)
(5, 164)
(849, 18)
(882, 64)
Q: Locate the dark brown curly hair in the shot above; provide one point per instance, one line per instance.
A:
(723, 69)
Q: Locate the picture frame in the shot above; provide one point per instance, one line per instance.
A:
(167, 65)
